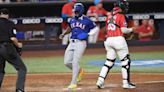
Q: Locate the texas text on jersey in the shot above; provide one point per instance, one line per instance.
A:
(81, 25)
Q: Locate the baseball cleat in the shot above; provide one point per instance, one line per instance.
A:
(128, 86)
(100, 83)
(72, 86)
(81, 73)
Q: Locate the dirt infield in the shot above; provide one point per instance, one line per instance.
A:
(58, 83)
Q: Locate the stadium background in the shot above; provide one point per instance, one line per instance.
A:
(43, 52)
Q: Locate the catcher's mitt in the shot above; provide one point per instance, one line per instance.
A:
(129, 36)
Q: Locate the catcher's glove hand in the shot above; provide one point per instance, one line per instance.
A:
(132, 35)
(129, 36)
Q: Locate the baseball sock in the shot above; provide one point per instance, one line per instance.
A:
(75, 72)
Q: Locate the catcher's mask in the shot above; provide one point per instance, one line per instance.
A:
(123, 4)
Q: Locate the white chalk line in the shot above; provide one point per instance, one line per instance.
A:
(66, 89)
(149, 82)
(112, 85)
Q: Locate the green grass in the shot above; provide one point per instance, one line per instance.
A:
(55, 64)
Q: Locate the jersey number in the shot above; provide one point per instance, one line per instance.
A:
(111, 27)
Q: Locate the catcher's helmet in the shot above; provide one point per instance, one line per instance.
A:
(78, 9)
(123, 4)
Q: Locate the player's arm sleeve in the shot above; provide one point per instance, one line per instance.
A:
(93, 27)
(12, 32)
(68, 30)
(93, 31)
(126, 30)
(123, 26)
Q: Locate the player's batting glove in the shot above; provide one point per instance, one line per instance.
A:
(61, 36)
(82, 36)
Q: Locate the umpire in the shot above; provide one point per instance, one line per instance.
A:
(8, 51)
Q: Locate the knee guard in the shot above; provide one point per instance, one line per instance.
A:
(106, 68)
(125, 62)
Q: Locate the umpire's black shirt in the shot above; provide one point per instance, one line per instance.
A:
(7, 30)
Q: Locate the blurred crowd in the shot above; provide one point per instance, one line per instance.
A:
(9, 1)
(145, 29)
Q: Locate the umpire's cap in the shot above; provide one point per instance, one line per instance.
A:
(4, 11)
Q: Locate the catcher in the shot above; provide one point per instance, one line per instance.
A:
(115, 43)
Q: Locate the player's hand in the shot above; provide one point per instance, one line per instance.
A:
(108, 13)
(20, 45)
(96, 16)
(134, 29)
(61, 36)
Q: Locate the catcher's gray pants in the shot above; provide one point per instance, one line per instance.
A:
(72, 57)
(8, 53)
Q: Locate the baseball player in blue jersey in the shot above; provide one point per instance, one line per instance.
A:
(79, 26)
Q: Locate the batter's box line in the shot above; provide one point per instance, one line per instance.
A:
(149, 82)
(67, 89)
(112, 85)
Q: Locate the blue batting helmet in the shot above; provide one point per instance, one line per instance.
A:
(78, 9)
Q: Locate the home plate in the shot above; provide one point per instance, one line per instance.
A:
(66, 89)
(113, 85)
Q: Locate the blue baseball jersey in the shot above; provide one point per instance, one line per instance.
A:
(81, 25)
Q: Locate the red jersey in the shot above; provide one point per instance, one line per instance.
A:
(67, 9)
(100, 12)
(112, 29)
(145, 29)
